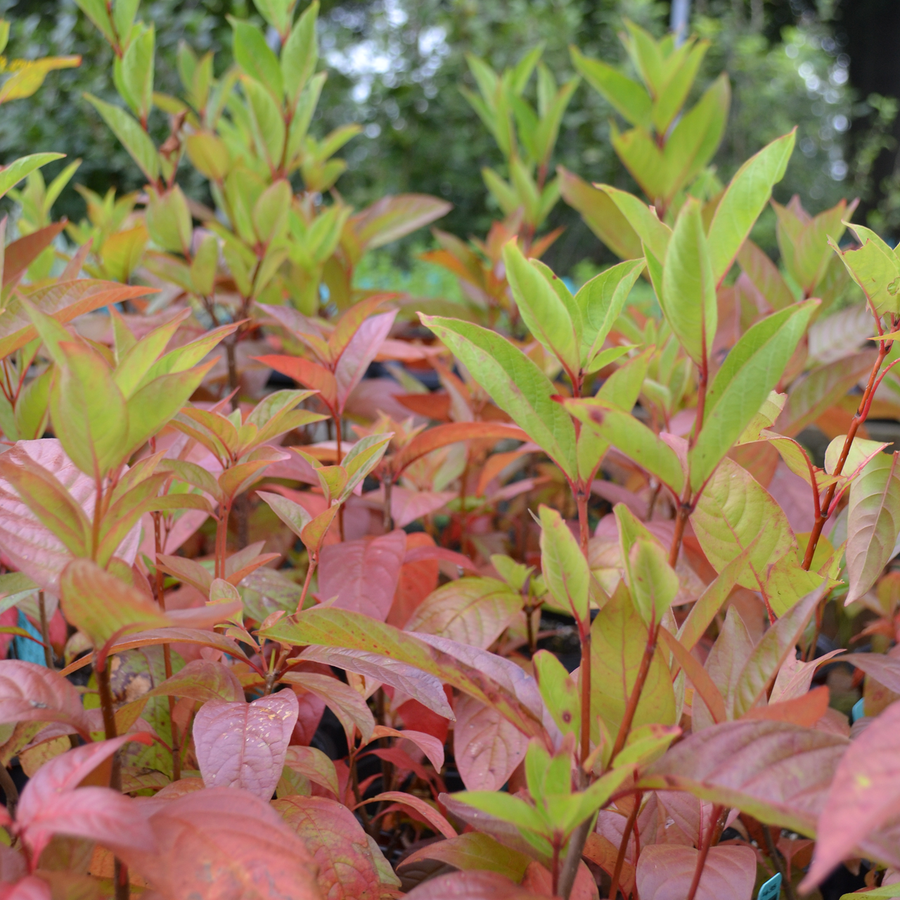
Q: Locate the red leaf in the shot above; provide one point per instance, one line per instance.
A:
(417, 580)
(451, 433)
(470, 886)
(21, 253)
(32, 693)
(311, 375)
(864, 794)
(50, 803)
(665, 872)
(225, 844)
(363, 575)
(805, 710)
(242, 744)
(341, 849)
(487, 748)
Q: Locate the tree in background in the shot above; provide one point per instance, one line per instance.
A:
(397, 66)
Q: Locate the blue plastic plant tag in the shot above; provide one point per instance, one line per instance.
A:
(771, 890)
(26, 650)
(859, 710)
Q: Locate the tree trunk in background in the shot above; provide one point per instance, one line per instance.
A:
(871, 33)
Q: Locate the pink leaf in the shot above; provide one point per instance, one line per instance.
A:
(428, 744)
(341, 849)
(27, 542)
(470, 886)
(242, 744)
(30, 888)
(425, 811)
(540, 880)
(227, 844)
(864, 794)
(32, 693)
(487, 748)
(777, 772)
(473, 611)
(417, 684)
(665, 872)
(363, 575)
(360, 352)
(346, 703)
(203, 680)
(50, 803)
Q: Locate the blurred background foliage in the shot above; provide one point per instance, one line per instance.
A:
(396, 66)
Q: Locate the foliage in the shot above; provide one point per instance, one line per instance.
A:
(198, 562)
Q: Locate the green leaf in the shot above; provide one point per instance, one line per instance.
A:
(548, 316)
(654, 583)
(600, 214)
(156, 403)
(123, 13)
(600, 301)
(618, 640)
(559, 692)
(873, 523)
(137, 70)
(98, 12)
(696, 136)
(688, 287)
(300, 53)
(99, 605)
(268, 122)
(642, 219)
(744, 200)
(507, 808)
(646, 55)
(129, 132)
(168, 220)
(256, 59)
(735, 513)
(751, 370)
(88, 411)
(12, 174)
(673, 94)
(564, 566)
(629, 98)
(135, 362)
(646, 162)
(875, 268)
(515, 384)
(632, 437)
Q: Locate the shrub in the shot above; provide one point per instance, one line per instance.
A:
(625, 467)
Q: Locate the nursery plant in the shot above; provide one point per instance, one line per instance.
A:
(316, 592)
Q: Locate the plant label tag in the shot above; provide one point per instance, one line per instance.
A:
(771, 890)
(859, 710)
